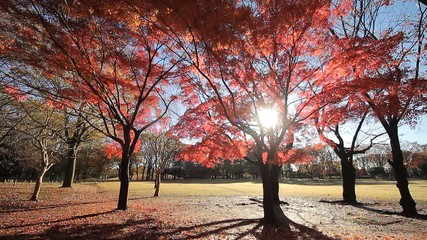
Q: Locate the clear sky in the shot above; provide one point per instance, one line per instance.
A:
(417, 134)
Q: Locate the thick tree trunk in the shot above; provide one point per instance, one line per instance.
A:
(406, 201)
(38, 186)
(71, 164)
(274, 178)
(124, 181)
(157, 183)
(273, 214)
(267, 203)
(348, 181)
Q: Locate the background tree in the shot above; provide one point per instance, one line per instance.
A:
(40, 123)
(392, 85)
(93, 161)
(325, 159)
(21, 82)
(411, 156)
(13, 161)
(331, 120)
(24, 81)
(162, 148)
(377, 156)
(147, 157)
(75, 132)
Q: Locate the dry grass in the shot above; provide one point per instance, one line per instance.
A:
(365, 188)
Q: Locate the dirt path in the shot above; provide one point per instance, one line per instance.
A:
(237, 218)
(87, 212)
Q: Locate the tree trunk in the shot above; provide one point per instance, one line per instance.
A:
(71, 164)
(273, 214)
(348, 181)
(137, 172)
(143, 173)
(148, 177)
(45, 167)
(39, 182)
(124, 181)
(274, 179)
(157, 183)
(267, 203)
(406, 201)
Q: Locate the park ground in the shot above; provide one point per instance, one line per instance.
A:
(208, 209)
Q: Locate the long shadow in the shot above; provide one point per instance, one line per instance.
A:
(59, 220)
(145, 229)
(219, 226)
(149, 229)
(387, 212)
(292, 231)
(140, 198)
(20, 208)
(366, 206)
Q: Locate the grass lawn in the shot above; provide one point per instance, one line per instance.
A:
(365, 188)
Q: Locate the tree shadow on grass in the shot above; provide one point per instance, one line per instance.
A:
(59, 220)
(34, 206)
(37, 207)
(148, 228)
(95, 231)
(368, 207)
(140, 198)
(387, 212)
(291, 231)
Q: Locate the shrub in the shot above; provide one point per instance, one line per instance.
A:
(377, 172)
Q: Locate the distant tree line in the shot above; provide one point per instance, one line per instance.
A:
(373, 164)
(94, 164)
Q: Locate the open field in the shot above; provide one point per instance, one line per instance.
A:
(207, 209)
(365, 188)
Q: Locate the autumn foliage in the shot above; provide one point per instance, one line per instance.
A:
(118, 69)
(118, 64)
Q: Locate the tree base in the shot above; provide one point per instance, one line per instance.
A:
(409, 208)
(350, 202)
(277, 219)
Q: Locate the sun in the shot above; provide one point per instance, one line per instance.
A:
(268, 117)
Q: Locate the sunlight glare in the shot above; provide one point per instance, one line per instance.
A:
(268, 117)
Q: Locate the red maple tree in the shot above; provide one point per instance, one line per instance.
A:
(248, 58)
(381, 68)
(109, 57)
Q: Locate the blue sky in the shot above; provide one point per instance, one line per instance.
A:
(417, 134)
